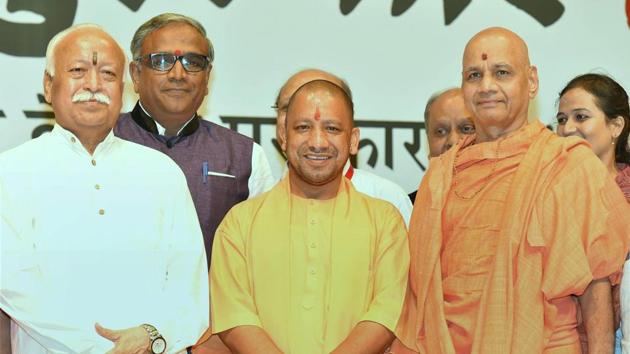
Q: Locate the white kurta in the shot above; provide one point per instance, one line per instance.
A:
(381, 188)
(111, 238)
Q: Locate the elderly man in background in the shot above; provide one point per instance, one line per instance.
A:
(446, 121)
(312, 266)
(503, 247)
(172, 59)
(100, 249)
(364, 181)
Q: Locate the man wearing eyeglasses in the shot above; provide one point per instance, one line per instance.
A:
(172, 59)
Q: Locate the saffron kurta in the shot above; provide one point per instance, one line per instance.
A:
(502, 235)
(307, 271)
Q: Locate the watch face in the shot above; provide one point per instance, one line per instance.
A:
(158, 346)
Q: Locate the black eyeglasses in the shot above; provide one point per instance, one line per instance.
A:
(191, 62)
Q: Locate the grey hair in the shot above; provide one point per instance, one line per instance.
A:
(431, 101)
(160, 21)
(58, 38)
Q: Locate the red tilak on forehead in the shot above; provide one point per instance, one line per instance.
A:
(317, 113)
(484, 56)
(178, 52)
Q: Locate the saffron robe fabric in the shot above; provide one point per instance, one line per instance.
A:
(307, 271)
(559, 224)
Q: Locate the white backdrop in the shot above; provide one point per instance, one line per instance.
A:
(393, 62)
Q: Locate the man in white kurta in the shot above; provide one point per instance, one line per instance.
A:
(94, 229)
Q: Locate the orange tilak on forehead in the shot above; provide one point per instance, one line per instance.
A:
(484, 56)
(178, 52)
(317, 115)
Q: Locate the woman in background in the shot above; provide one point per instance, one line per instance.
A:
(595, 108)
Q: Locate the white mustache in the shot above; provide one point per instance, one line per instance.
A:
(85, 96)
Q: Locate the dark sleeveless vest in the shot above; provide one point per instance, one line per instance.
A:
(199, 144)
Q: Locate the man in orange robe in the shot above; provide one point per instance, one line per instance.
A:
(513, 228)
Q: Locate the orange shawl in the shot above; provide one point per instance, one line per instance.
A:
(539, 259)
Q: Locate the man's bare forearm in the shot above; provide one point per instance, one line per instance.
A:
(366, 338)
(597, 313)
(248, 340)
(213, 345)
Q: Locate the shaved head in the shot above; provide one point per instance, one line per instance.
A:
(293, 83)
(493, 36)
(320, 92)
(498, 82)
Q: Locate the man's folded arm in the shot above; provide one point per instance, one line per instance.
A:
(249, 340)
(391, 268)
(374, 332)
(234, 314)
(366, 338)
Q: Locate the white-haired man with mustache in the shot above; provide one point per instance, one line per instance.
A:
(100, 248)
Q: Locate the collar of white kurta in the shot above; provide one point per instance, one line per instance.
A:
(74, 143)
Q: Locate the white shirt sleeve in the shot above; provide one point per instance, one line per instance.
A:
(401, 201)
(186, 290)
(261, 179)
(20, 277)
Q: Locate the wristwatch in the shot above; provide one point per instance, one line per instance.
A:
(158, 343)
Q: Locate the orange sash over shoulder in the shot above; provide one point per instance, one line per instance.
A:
(563, 226)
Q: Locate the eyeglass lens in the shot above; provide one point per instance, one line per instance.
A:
(190, 61)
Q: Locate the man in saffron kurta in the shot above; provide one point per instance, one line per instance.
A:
(362, 180)
(512, 228)
(312, 266)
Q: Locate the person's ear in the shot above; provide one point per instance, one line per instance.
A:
(355, 136)
(533, 81)
(48, 81)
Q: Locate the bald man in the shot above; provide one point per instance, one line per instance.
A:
(446, 121)
(515, 226)
(80, 273)
(312, 266)
(364, 181)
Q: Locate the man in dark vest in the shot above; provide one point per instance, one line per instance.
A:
(172, 59)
